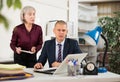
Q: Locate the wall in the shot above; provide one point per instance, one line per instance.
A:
(46, 10)
(73, 16)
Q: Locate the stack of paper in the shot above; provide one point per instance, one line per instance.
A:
(11, 68)
(13, 72)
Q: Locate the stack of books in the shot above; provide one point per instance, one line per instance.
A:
(13, 72)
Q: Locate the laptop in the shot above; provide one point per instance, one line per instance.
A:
(62, 69)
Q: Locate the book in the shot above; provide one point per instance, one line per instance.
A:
(8, 75)
(16, 77)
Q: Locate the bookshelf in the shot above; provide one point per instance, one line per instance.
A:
(85, 47)
(87, 20)
(84, 18)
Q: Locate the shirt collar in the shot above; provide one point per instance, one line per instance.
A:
(62, 43)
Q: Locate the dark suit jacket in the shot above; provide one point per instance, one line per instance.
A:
(48, 52)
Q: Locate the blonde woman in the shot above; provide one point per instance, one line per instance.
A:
(26, 37)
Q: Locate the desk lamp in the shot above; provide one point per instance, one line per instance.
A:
(92, 37)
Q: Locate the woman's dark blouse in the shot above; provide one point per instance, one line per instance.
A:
(26, 40)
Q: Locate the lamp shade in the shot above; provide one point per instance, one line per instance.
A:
(92, 37)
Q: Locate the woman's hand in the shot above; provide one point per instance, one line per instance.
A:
(18, 50)
(33, 49)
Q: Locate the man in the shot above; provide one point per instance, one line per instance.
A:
(56, 53)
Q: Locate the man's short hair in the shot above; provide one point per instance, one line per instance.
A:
(60, 22)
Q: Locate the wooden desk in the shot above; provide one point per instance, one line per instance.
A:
(102, 77)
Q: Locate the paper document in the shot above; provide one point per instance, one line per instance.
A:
(46, 69)
(27, 51)
(11, 66)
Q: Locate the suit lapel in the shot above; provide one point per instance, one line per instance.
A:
(52, 50)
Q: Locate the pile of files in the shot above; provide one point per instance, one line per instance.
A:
(13, 72)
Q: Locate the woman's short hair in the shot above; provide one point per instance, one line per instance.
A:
(24, 10)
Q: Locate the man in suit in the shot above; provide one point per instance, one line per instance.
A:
(51, 50)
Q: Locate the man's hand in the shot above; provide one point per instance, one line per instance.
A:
(38, 66)
(56, 64)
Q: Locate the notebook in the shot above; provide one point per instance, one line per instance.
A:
(62, 69)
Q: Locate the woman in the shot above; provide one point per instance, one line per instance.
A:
(26, 37)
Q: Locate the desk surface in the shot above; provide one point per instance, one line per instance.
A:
(101, 77)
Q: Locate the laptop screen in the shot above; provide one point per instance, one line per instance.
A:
(62, 69)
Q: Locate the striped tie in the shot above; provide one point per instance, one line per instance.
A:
(59, 53)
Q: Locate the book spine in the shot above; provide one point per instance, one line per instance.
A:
(8, 75)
